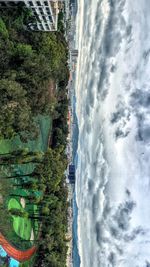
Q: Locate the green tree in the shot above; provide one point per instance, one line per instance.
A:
(15, 113)
(3, 30)
(22, 52)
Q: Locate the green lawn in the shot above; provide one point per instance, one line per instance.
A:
(13, 203)
(23, 226)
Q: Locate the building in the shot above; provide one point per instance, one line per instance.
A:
(44, 11)
(71, 176)
(71, 169)
(74, 53)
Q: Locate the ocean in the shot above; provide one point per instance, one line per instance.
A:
(113, 113)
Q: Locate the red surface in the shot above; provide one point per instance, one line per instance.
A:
(15, 253)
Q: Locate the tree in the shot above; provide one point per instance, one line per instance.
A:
(15, 113)
(29, 62)
(23, 51)
(22, 156)
(3, 30)
(34, 75)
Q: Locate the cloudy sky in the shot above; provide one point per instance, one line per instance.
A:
(113, 109)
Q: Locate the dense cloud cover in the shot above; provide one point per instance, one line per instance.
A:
(113, 110)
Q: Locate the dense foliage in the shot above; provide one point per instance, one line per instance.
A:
(48, 179)
(29, 62)
(32, 64)
(53, 247)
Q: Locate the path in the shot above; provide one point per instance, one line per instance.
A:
(15, 253)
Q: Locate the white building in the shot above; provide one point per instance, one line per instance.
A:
(44, 11)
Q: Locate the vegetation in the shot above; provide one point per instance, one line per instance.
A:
(48, 179)
(29, 62)
(32, 66)
(54, 224)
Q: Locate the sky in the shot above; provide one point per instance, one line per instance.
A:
(113, 110)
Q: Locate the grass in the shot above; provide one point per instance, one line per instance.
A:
(23, 226)
(44, 124)
(13, 203)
